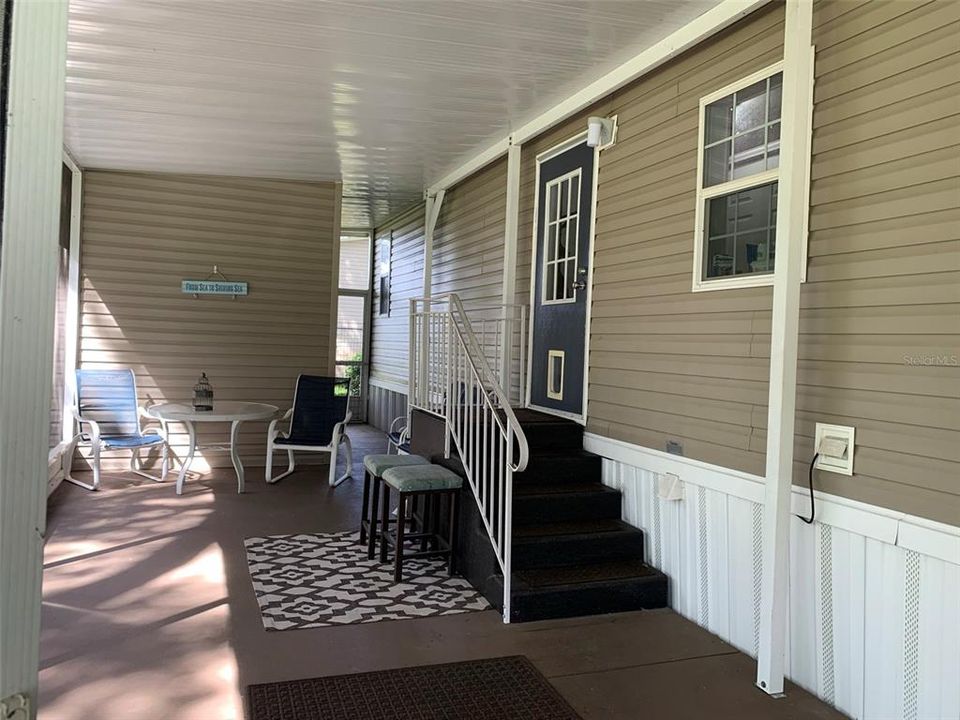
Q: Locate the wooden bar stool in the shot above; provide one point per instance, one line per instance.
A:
(427, 482)
(373, 468)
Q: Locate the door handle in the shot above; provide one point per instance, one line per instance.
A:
(581, 282)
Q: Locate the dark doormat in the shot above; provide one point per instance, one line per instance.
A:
(506, 688)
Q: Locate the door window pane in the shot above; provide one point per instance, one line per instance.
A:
(561, 237)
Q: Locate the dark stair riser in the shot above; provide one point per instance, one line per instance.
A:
(578, 549)
(642, 593)
(548, 437)
(575, 467)
(603, 503)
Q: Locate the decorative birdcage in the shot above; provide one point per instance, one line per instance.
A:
(203, 394)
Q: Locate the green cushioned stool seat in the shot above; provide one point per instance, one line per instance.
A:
(420, 478)
(377, 465)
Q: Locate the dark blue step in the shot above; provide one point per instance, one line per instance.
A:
(575, 465)
(578, 542)
(559, 502)
(589, 589)
(549, 433)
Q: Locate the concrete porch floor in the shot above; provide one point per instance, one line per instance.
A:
(149, 614)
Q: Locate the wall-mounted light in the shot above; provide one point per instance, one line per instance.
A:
(601, 131)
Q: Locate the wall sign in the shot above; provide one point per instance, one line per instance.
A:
(213, 287)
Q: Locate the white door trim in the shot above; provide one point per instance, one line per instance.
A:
(534, 269)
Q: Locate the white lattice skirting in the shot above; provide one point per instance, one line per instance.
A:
(874, 594)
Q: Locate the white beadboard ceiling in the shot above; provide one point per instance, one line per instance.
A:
(386, 95)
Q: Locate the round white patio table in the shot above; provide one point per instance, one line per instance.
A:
(233, 412)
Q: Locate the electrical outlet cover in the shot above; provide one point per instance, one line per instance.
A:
(843, 433)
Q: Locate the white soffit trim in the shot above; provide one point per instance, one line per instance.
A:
(710, 23)
(910, 532)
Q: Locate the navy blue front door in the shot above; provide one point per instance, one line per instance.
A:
(561, 273)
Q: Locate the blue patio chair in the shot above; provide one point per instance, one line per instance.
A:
(106, 404)
(318, 421)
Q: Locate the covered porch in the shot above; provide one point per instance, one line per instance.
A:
(149, 613)
(663, 296)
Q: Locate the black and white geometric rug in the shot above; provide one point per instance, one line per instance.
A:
(310, 581)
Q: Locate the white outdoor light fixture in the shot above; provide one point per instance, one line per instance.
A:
(600, 131)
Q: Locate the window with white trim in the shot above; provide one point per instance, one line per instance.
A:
(561, 238)
(738, 173)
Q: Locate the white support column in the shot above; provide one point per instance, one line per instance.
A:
(510, 233)
(28, 276)
(334, 280)
(431, 215)
(72, 312)
(792, 208)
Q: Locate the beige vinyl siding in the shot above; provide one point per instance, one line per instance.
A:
(665, 363)
(389, 336)
(145, 233)
(880, 318)
(468, 241)
(670, 364)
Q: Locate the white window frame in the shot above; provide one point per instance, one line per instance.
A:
(557, 181)
(704, 194)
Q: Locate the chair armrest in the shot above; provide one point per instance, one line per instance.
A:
(272, 430)
(162, 432)
(339, 429)
(94, 425)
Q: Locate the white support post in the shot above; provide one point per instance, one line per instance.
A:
(792, 208)
(72, 311)
(510, 233)
(28, 276)
(334, 280)
(431, 214)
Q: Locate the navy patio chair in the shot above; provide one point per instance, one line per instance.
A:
(318, 420)
(106, 405)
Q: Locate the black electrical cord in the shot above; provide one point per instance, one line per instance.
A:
(813, 509)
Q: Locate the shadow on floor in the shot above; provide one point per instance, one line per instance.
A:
(149, 614)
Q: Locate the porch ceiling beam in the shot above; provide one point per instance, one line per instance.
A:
(792, 209)
(694, 32)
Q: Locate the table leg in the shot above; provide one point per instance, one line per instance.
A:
(235, 455)
(185, 465)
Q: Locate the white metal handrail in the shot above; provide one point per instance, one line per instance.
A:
(451, 377)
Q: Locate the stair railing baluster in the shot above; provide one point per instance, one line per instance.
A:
(450, 375)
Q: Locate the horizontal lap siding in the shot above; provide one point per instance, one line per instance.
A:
(145, 233)
(389, 335)
(665, 363)
(884, 264)
(883, 283)
(468, 241)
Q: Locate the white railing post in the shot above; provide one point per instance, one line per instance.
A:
(451, 375)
